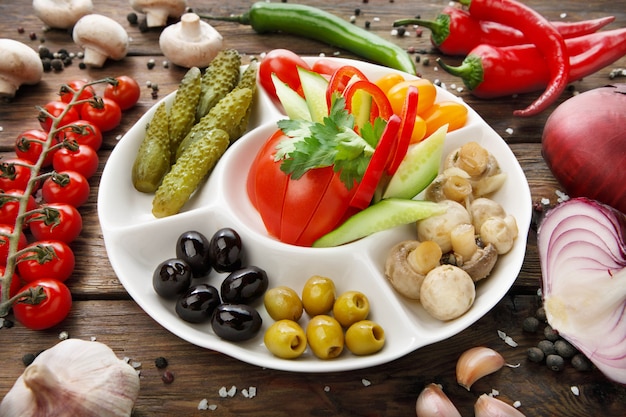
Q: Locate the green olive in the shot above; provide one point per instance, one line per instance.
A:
(365, 337)
(325, 336)
(350, 307)
(318, 295)
(285, 339)
(283, 303)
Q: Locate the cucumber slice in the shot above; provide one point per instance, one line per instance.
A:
(419, 167)
(314, 87)
(294, 105)
(377, 217)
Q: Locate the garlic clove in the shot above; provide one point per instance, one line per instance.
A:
(74, 378)
(433, 402)
(488, 406)
(475, 363)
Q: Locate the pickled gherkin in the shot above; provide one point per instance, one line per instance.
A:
(182, 115)
(153, 157)
(190, 169)
(248, 80)
(226, 115)
(219, 78)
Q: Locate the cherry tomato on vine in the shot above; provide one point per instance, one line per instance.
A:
(284, 64)
(83, 160)
(47, 258)
(53, 308)
(29, 145)
(299, 211)
(126, 93)
(10, 205)
(57, 221)
(69, 187)
(5, 231)
(84, 133)
(55, 109)
(14, 174)
(16, 283)
(107, 117)
(67, 92)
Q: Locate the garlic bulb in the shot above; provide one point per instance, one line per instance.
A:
(74, 378)
(433, 402)
(475, 363)
(488, 406)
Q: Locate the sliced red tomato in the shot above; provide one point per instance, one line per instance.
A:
(54, 305)
(5, 231)
(10, 205)
(69, 187)
(284, 63)
(56, 109)
(125, 93)
(47, 258)
(56, 222)
(84, 133)
(29, 145)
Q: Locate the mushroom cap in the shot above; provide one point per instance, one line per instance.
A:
(157, 11)
(404, 279)
(61, 14)
(481, 264)
(20, 64)
(190, 42)
(447, 292)
(100, 36)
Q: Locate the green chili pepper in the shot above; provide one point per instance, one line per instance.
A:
(317, 24)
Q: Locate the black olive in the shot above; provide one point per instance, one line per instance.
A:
(226, 250)
(244, 285)
(193, 248)
(198, 303)
(171, 278)
(236, 322)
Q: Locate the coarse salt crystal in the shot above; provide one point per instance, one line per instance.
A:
(494, 392)
(509, 131)
(507, 339)
(92, 338)
(563, 15)
(366, 382)
(64, 335)
(203, 404)
(249, 392)
(575, 390)
(517, 404)
(326, 388)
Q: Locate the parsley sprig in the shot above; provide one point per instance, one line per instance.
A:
(333, 143)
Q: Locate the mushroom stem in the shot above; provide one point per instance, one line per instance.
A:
(94, 58)
(157, 17)
(191, 30)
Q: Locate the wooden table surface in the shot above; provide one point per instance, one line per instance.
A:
(103, 310)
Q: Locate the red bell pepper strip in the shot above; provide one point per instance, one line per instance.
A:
(340, 79)
(381, 106)
(456, 32)
(539, 32)
(367, 187)
(409, 114)
(489, 71)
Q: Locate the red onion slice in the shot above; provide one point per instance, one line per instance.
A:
(582, 250)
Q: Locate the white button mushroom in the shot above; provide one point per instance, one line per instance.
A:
(157, 11)
(447, 292)
(61, 14)
(438, 228)
(19, 65)
(102, 38)
(190, 42)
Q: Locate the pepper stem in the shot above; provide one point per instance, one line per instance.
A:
(470, 71)
(439, 28)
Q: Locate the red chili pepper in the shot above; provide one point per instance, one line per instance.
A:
(539, 32)
(490, 71)
(456, 32)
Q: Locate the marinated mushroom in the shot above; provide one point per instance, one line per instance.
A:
(408, 263)
(102, 38)
(500, 232)
(19, 65)
(477, 261)
(158, 11)
(190, 42)
(438, 228)
(447, 292)
(61, 14)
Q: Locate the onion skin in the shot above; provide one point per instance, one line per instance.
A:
(584, 145)
(582, 251)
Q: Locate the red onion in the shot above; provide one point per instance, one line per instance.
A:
(584, 145)
(582, 250)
